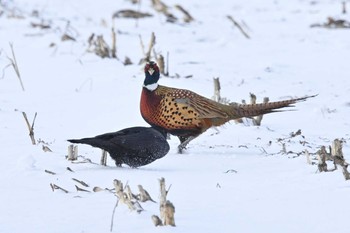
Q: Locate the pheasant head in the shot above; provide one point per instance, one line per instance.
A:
(151, 76)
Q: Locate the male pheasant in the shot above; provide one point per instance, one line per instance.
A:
(135, 146)
(186, 114)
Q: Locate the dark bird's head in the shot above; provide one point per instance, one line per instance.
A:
(151, 76)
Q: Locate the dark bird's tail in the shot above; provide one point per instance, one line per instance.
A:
(75, 140)
(95, 142)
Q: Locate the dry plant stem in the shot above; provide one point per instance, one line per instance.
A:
(144, 195)
(46, 149)
(257, 120)
(307, 154)
(50, 172)
(81, 190)
(252, 98)
(102, 48)
(163, 192)
(217, 89)
(150, 46)
(284, 149)
(15, 66)
(103, 160)
(81, 182)
(161, 64)
(238, 26)
(344, 7)
(321, 156)
(30, 127)
(123, 197)
(167, 209)
(97, 189)
(66, 37)
(127, 61)
(167, 64)
(72, 152)
(114, 44)
(188, 18)
(138, 9)
(118, 186)
(338, 157)
(337, 149)
(91, 40)
(335, 155)
(54, 187)
(156, 221)
(142, 45)
(159, 6)
(346, 173)
(112, 220)
(129, 193)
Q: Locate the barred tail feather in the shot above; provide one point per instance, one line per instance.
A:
(251, 110)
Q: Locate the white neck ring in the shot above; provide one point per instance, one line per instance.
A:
(151, 87)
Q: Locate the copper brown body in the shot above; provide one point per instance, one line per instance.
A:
(186, 114)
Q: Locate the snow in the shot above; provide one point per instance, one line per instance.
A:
(225, 182)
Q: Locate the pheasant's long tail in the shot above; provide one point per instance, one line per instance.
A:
(251, 110)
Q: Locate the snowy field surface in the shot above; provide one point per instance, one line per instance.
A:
(231, 179)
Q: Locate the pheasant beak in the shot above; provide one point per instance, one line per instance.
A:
(150, 71)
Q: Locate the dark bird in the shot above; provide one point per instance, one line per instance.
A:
(135, 146)
(186, 114)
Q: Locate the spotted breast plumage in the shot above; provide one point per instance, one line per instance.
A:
(186, 114)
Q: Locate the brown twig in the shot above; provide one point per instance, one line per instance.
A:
(50, 172)
(81, 182)
(160, 62)
(161, 7)
(144, 195)
(54, 187)
(15, 66)
(114, 44)
(30, 127)
(167, 64)
(152, 42)
(150, 47)
(238, 26)
(81, 190)
(187, 18)
(131, 14)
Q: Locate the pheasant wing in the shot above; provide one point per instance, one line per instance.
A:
(191, 104)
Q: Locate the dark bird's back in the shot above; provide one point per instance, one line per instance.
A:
(135, 146)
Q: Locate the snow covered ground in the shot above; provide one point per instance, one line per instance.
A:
(231, 179)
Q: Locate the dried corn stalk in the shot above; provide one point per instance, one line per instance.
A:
(167, 209)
